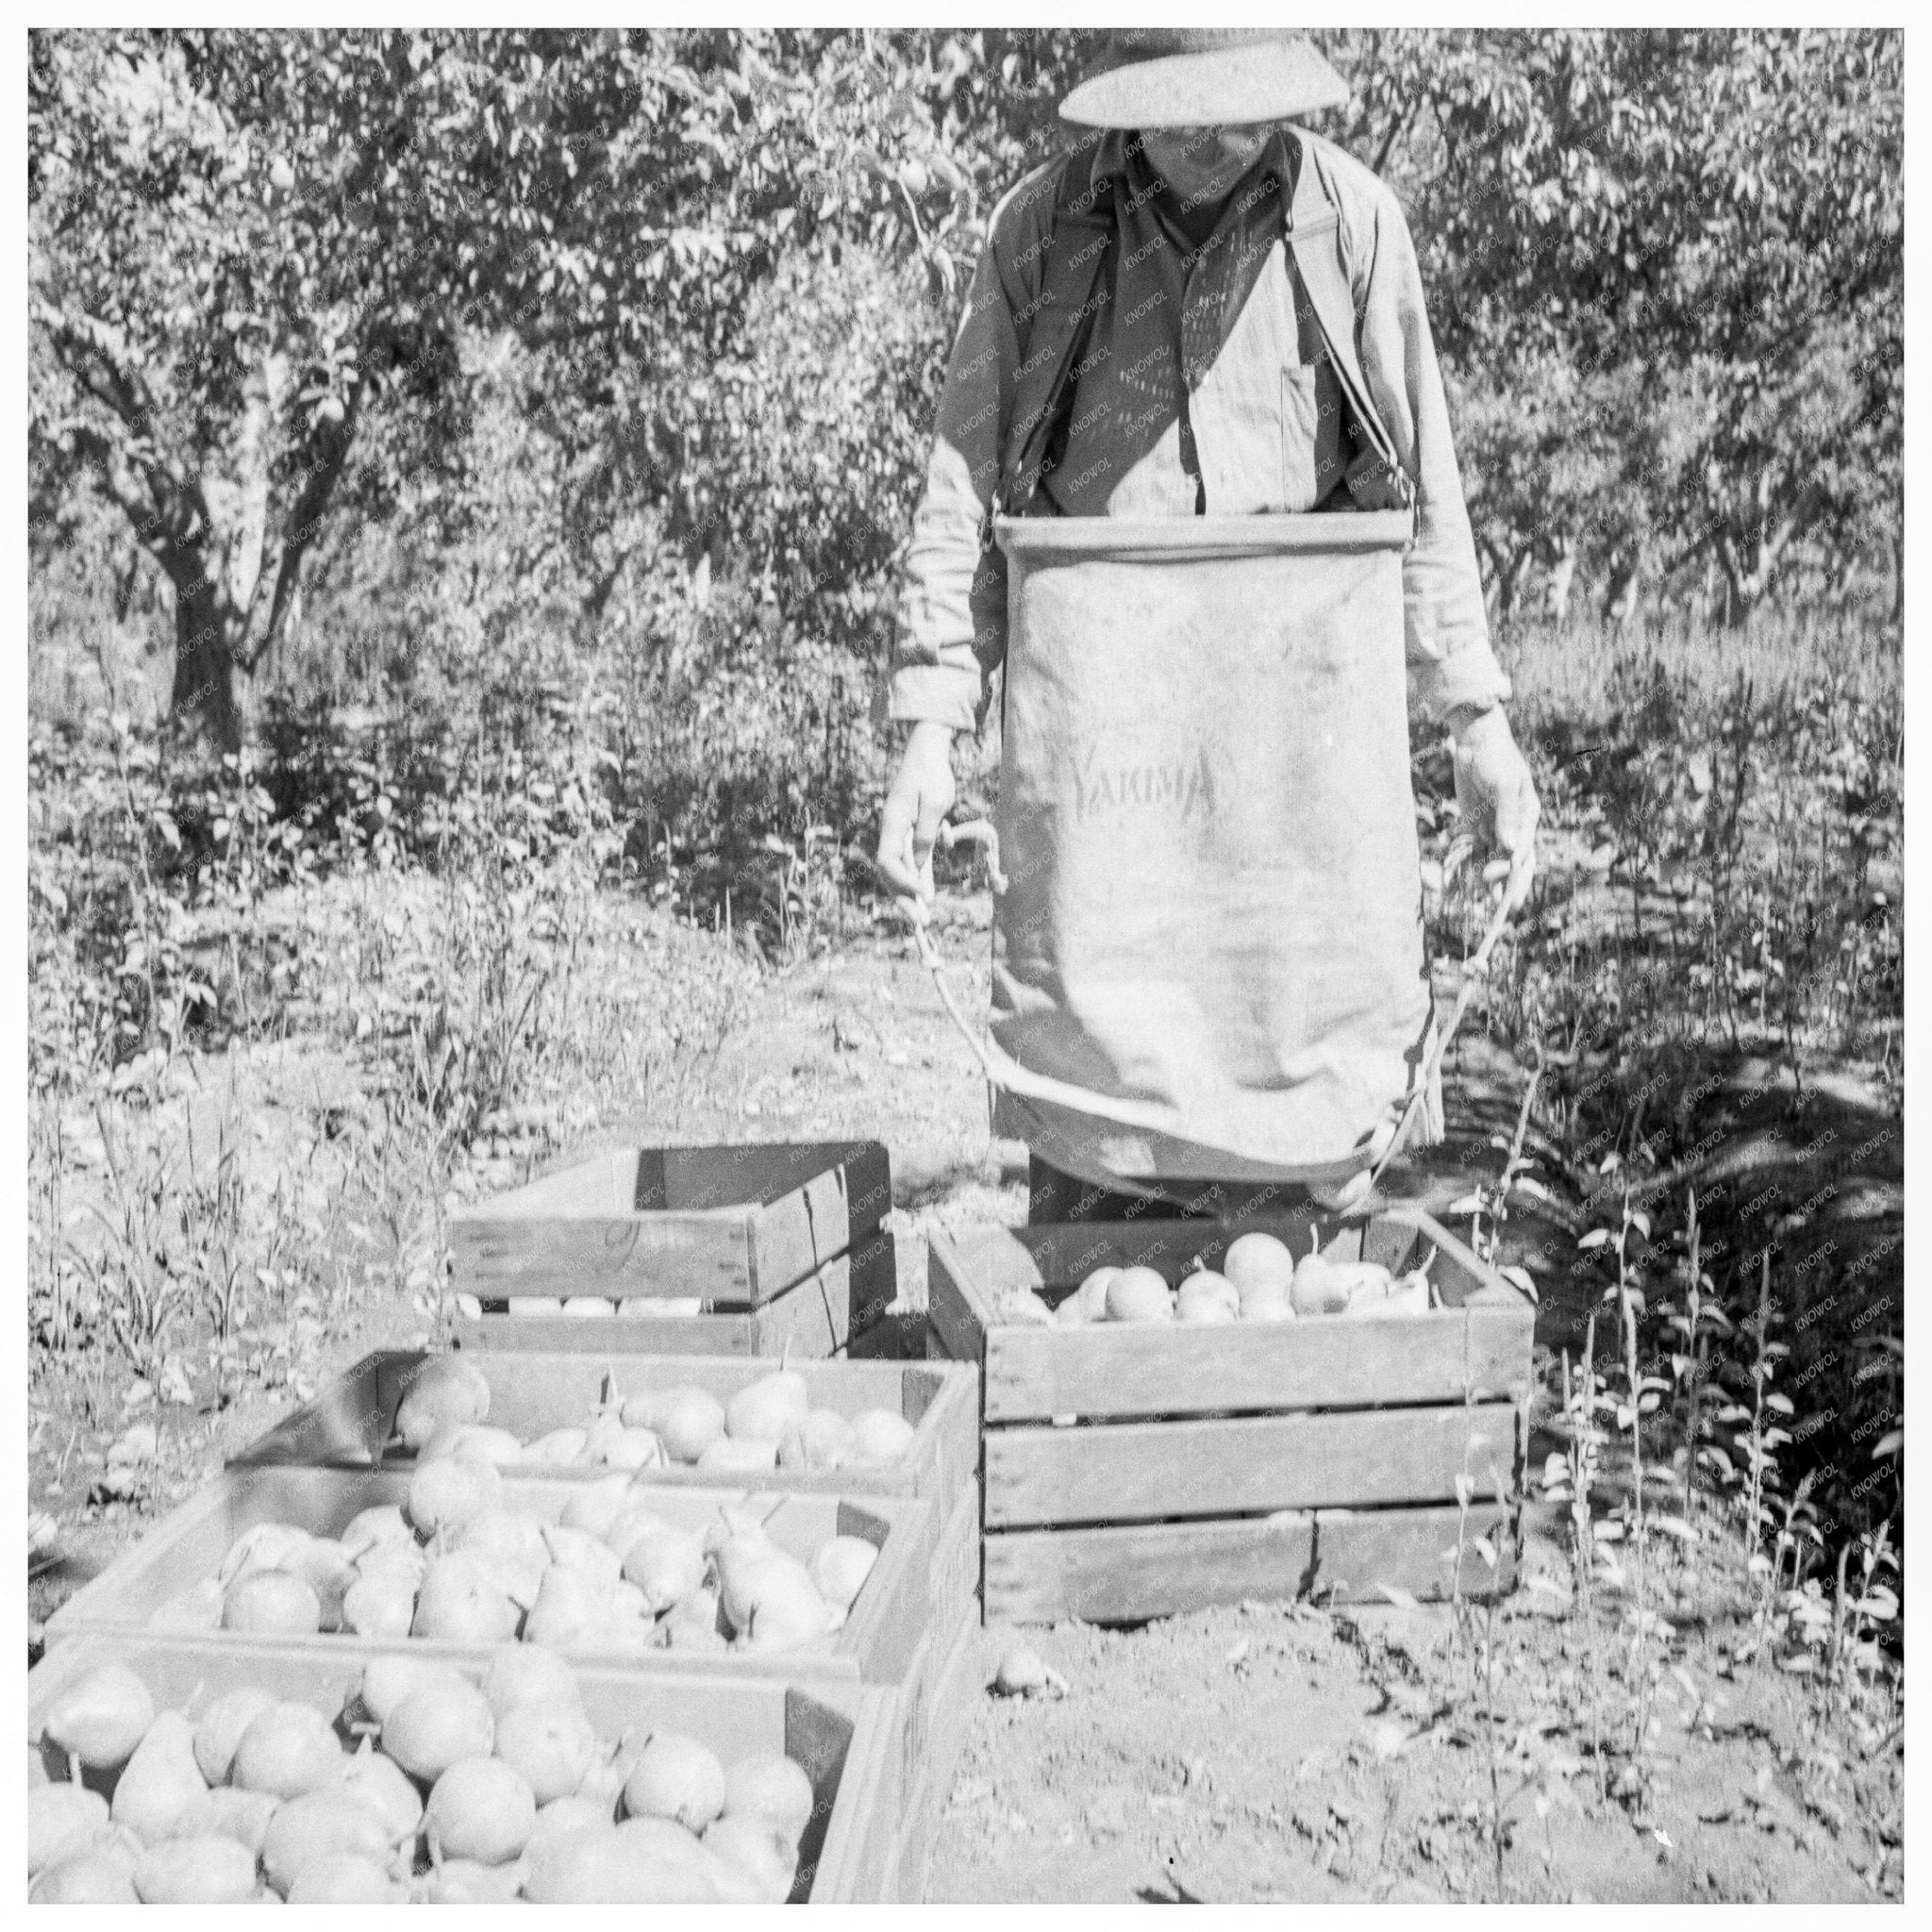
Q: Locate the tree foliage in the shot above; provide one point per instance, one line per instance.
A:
(267, 270)
(1684, 253)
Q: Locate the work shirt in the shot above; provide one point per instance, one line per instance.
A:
(1171, 420)
(1204, 388)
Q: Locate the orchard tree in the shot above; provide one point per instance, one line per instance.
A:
(252, 252)
(1682, 252)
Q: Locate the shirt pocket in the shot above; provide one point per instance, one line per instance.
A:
(1301, 425)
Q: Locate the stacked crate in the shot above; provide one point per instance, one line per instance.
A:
(1135, 1472)
(757, 1250)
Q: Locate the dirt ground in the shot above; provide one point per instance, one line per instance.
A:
(1252, 1752)
(1274, 1752)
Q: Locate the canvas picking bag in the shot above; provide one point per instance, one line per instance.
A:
(1208, 960)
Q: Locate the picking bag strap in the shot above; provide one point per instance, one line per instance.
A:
(1314, 239)
(1085, 225)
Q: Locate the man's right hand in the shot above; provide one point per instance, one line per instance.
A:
(917, 801)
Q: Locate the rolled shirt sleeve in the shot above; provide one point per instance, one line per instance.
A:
(950, 628)
(1450, 662)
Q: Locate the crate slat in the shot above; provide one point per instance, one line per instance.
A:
(811, 1321)
(735, 1226)
(1127, 1573)
(1148, 1471)
(1106, 1371)
(351, 1421)
(841, 1735)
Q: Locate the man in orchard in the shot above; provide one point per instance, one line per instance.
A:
(1201, 312)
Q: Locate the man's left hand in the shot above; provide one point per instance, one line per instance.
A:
(1496, 796)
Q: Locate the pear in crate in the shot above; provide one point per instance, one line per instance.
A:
(770, 1786)
(1321, 1286)
(446, 1493)
(224, 1812)
(1087, 1303)
(880, 1436)
(595, 1506)
(1139, 1295)
(480, 1440)
(101, 1717)
(519, 1674)
(196, 1872)
(691, 1422)
(382, 1784)
(760, 1410)
(381, 1606)
(1205, 1296)
(159, 1781)
(321, 1824)
(446, 1392)
(571, 1608)
(61, 1817)
(289, 1749)
(379, 1525)
(437, 1725)
(480, 1809)
(262, 1546)
(464, 1882)
(823, 1440)
(560, 1449)
(551, 1746)
(599, 1557)
(1258, 1263)
(87, 1876)
(753, 1856)
(271, 1603)
(840, 1567)
(665, 1565)
(219, 1730)
(632, 1864)
(343, 1878)
(463, 1601)
(676, 1778)
(1021, 1308)
(562, 1816)
(510, 1549)
(386, 1680)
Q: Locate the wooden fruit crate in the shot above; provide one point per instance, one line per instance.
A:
(834, 1307)
(731, 1227)
(349, 1425)
(1132, 1472)
(878, 1644)
(840, 1734)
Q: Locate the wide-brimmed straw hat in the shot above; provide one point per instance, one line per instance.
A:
(1178, 76)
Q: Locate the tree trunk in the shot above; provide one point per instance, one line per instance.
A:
(1620, 598)
(1509, 581)
(204, 695)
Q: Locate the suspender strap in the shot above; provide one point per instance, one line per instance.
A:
(1076, 284)
(1314, 239)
